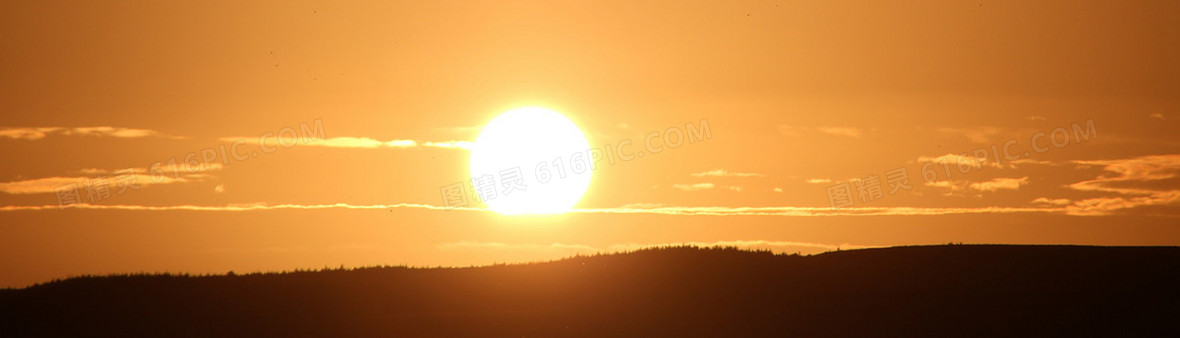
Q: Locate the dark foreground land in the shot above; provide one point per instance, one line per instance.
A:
(907, 291)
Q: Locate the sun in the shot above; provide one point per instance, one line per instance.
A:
(530, 161)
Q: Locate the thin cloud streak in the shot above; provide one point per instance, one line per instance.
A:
(232, 207)
(671, 211)
(992, 185)
(799, 131)
(350, 142)
(37, 133)
(130, 177)
(960, 160)
(693, 187)
(816, 211)
(840, 131)
(976, 134)
(724, 173)
(1000, 184)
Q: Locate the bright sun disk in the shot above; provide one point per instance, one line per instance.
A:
(542, 151)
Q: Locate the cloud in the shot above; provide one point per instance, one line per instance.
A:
(959, 160)
(1000, 184)
(113, 132)
(1031, 161)
(350, 142)
(334, 142)
(1133, 182)
(93, 171)
(663, 210)
(642, 205)
(952, 185)
(1130, 171)
(401, 143)
(840, 131)
(815, 211)
(693, 187)
(1035, 118)
(231, 207)
(725, 173)
(818, 180)
(1140, 181)
(1057, 202)
(977, 134)
(1107, 205)
(704, 186)
(1157, 116)
(988, 186)
(27, 133)
(37, 133)
(129, 178)
(799, 131)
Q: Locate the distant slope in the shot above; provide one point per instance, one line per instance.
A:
(905, 291)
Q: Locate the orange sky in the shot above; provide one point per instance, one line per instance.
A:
(799, 97)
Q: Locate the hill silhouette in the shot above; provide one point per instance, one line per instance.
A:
(955, 290)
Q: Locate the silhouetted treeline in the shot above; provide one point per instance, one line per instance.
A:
(958, 290)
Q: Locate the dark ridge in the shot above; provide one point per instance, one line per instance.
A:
(954, 290)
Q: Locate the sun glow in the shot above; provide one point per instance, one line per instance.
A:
(543, 152)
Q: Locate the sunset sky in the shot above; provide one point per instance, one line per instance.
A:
(798, 101)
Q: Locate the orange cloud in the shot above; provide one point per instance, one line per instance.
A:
(693, 187)
(350, 142)
(1000, 184)
(37, 133)
(952, 185)
(725, 173)
(667, 210)
(126, 177)
(1135, 175)
(976, 135)
(959, 160)
(815, 211)
(232, 207)
(798, 131)
(1057, 201)
(839, 131)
